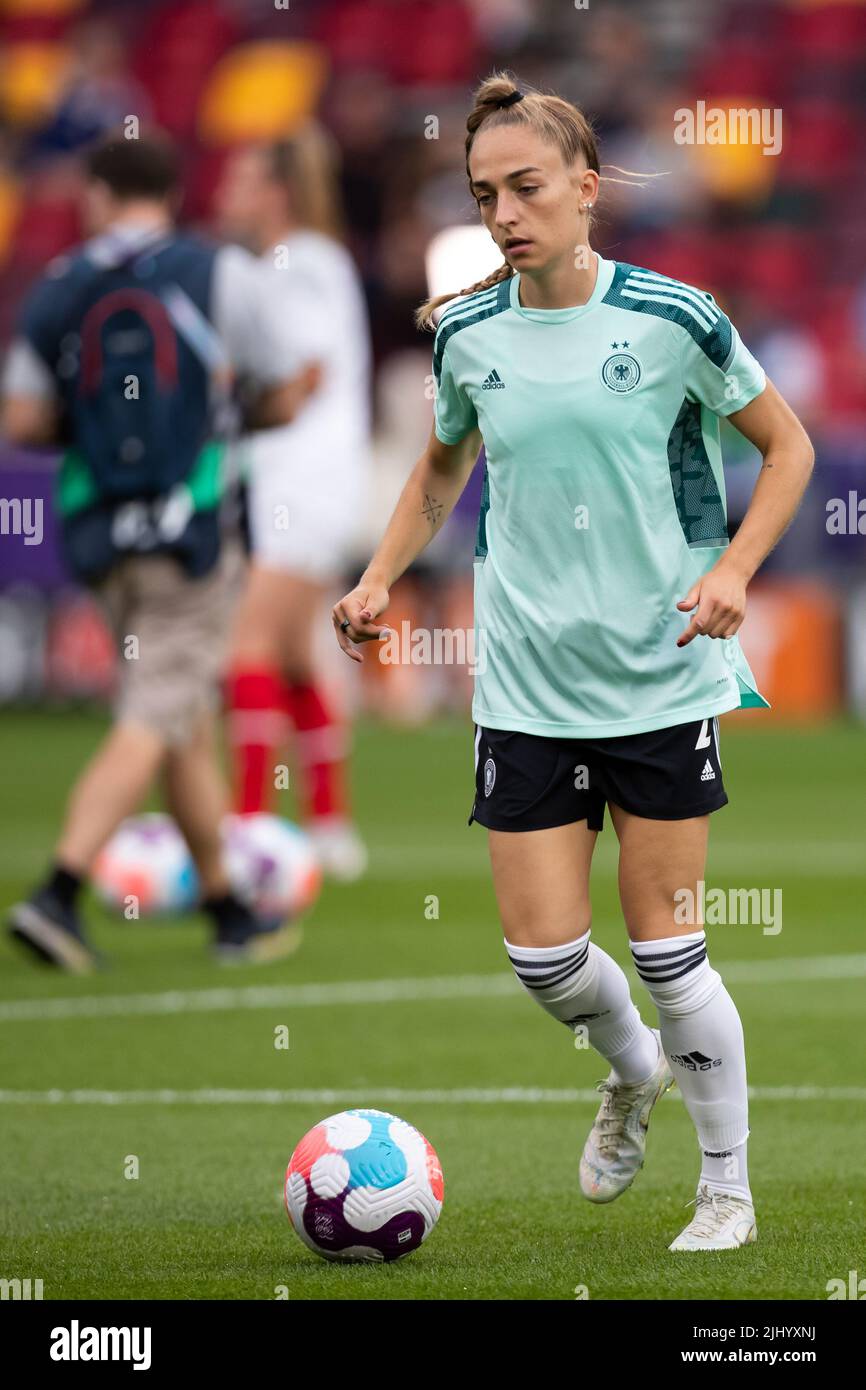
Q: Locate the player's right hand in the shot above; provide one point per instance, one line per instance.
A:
(362, 606)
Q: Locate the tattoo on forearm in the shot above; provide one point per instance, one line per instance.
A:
(432, 510)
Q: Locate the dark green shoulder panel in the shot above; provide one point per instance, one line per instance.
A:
(474, 310)
(678, 303)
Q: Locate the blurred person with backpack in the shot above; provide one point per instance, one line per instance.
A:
(135, 352)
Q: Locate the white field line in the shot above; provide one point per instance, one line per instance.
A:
(367, 992)
(397, 863)
(177, 1001)
(398, 991)
(512, 1095)
(800, 859)
(789, 969)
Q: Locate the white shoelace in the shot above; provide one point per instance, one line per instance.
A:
(711, 1209)
(617, 1103)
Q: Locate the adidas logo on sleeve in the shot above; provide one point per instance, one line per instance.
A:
(493, 382)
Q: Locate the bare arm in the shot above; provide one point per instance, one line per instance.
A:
(719, 597)
(32, 420)
(278, 405)
(28, 420)
(427, 500)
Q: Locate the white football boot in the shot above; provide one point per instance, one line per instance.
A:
(614, 1153)
(339, 848)
(722, 1221)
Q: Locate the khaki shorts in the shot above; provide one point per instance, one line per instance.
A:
(172, 634)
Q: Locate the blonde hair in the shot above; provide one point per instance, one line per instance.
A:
(556, 121)
(307, 165)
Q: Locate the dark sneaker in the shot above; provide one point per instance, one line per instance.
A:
(243, 938)
(52, 932)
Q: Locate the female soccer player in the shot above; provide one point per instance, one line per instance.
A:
(595, 387)
(282, 201)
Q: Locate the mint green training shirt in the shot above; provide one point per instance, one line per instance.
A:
(603, 500)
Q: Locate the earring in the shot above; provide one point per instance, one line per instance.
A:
(585, 206)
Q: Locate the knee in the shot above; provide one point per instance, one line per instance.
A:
(297, 669)
(255, 648)
(538, 928)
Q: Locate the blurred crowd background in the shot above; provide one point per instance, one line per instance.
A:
(779, 239)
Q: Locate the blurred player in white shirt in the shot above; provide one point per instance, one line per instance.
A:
(307, 485)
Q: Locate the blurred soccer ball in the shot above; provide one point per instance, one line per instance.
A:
(272, 865)
(364, 1185)
(146, 869)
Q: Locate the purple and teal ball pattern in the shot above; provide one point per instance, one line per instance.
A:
(272, 865)
(364, 1185)
(147, 863)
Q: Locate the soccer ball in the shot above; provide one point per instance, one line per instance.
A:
(147, 864)
(272, 865)
(364, 1185)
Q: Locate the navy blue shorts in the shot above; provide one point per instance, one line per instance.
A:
(529, 782)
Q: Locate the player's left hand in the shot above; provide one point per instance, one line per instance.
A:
(719, 598)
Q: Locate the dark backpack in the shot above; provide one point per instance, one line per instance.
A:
(129, 338)
(127, 412)
(127, 334)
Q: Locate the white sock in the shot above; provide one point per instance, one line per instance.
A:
(703, 1039)
(581, 985)
(726, 1171)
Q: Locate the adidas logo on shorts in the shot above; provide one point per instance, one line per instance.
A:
(493, 382)
(708, 774)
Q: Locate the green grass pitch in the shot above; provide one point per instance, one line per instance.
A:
(204, 1218)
